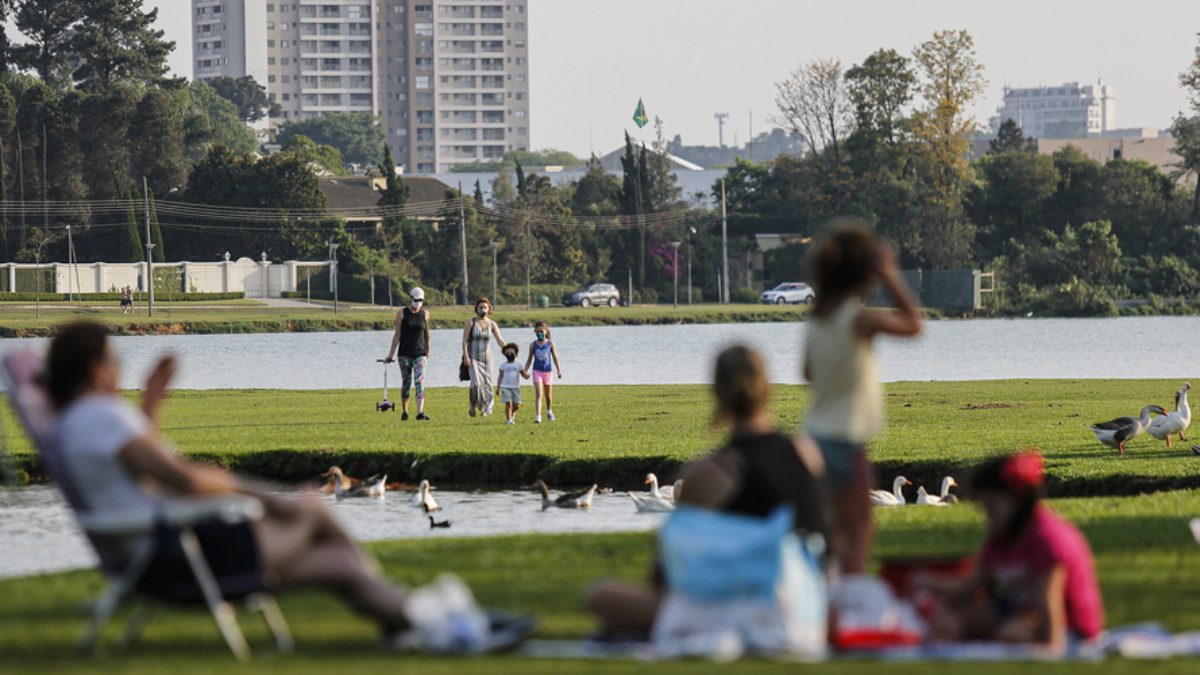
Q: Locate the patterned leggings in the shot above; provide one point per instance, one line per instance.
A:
(412, 373)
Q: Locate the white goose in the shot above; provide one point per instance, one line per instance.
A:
(1175, 422)
(664, 492)
(651, 504)
(942, 499)
(424, 500)
(1117, 432)
(893, 498)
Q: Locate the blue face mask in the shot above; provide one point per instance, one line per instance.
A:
(540, 335)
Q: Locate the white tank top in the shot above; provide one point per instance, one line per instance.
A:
(846, 398)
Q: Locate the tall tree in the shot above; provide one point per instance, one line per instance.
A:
(6, 11)
(358, 136)
(1186, 133)
(210, 119)
(879, 88)
(393, 195)
(478, 193)
(130, 241)
(156, 236)
(813, 103)
(8, 123)
(1190, 78)
(327, 158)
(118, 42)
(51, 30)
(1010, 137)
(248, 95)
(157, 135)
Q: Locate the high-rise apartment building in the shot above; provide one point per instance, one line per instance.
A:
(448, 79)
(1064, 111)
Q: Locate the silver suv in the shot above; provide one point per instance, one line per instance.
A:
(595, 294)
(789, 292)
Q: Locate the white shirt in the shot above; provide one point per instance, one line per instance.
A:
(846, 396)
(90, 435)
(510, 375)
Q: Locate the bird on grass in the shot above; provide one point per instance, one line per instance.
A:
(580, 499)
(942, 499)
(1117, 432)
(434, 523)
(1175, 422)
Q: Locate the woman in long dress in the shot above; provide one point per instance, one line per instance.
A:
(477, 354)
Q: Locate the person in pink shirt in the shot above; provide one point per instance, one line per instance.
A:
(1034, 579)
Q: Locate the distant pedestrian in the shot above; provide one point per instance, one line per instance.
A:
(411, 340)
(126, 300)
(846, 401)
(544, 359)
(477, 355)
(510, 382)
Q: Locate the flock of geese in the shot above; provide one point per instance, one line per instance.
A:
(1117, 432)
(896, 496)
(341, 486)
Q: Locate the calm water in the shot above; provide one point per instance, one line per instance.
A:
(682, 354)
(38, 535)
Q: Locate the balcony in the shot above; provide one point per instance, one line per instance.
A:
(491, 12)
(491, 29)
(462, 13)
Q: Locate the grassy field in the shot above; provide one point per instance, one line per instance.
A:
(614, 434)
(250, 316)
(1149, 569)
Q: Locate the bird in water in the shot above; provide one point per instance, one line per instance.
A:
(435, 523)
(580, 499)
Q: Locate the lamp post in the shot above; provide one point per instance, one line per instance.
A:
(691, 231)
(149, 251)
(495, 294)
(675, 268)
(333, 273)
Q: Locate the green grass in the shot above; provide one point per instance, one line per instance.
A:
(614, 434)
(250, 316)
(1149, 569)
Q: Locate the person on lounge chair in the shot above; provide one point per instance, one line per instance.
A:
(114, 453)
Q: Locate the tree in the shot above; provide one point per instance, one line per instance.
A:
(879, 88)
(1017, 188)
(478, 193)
(1134, 195)
(109, 171)
(813, 103)
(51, 29)
(358, 136)
(1077, 197)
(249, 96)
(210, 119)
(393, 195)
(117, 42)
(597, 192)
(6, 9)
(522, 185)
(157, 134)
(130, 243)
(1190, 79)
(8, 123)
(156, 237)
(1186, 133)
(326, 158)
(1010, 137)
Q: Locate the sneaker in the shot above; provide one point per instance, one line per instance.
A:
(446, 620)
(549, 416)
(404, 416)
(510, 421)
(537, 419)
(423, 417)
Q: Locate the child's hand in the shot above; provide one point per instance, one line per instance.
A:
(525, 374)
(560, 374)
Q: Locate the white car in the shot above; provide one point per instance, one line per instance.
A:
(789, 293)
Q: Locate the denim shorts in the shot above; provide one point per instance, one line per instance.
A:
(840, 458)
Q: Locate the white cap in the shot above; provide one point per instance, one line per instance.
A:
(416, 293)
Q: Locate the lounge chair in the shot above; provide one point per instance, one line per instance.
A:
(126, 542)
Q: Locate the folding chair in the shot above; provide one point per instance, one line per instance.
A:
(126, 542)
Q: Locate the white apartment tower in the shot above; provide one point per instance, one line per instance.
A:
(1065, 111)
(448, 79)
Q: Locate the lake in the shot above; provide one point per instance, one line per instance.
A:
(979, 349)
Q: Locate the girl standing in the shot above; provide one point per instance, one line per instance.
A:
(477, 355)
(411, 339)
(846, 399)
(544, 358)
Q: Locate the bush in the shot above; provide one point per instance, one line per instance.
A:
(116, 297)
(1074, 298)
(745, 295)
(645, 296)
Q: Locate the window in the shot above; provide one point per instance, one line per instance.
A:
(270, 25)
(520, 60)
(423, 29)
(270, 78)
(422, 82)
(287, 61)
(287, 97)
(286, 80)
(519, 114)
(270, 60)
(283, 26)
(270, 7)
(270, 44)
(285, 44)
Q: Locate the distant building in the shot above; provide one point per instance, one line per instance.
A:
(612, 161)
(1068, 110)
(448, 79)
(354, 198)
(1158, 150)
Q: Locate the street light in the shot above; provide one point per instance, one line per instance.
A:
(691, 231)
(495, 294)
(675, 267)
(333, 273)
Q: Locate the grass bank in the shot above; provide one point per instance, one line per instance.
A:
(252, 317)
(1145, 557)
(615, 434)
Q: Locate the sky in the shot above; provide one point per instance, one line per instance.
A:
(590, 60)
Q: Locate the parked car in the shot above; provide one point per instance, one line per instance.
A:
(791, 292)
(595, 294)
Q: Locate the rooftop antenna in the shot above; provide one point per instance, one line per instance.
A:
(721, 117)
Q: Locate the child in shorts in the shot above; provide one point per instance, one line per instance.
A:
(510, 382)
(544, 359)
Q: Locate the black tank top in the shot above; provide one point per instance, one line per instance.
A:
(774, 474)
(412, 334)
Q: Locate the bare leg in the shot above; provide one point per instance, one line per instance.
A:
(537, 398)
(624, 610)
(549, 388)
(855, 529)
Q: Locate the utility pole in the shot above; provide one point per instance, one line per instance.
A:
(150, 251)
(462, 226)
(724, 248)
(675, 267)
(528, 253)
(750, 140)
(721, 117)
(495, 293)
(333, 273)
(74, 267)
(691, 231)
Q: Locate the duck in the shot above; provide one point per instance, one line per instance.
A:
(648, 503)
(664, 492)
(1175, 422)
(334, 477)
(580, 499)
(376, 486)
(435, 523)
(373, 487)
(424, 500)
(942, 499)
(893, 498)
(1117, 432)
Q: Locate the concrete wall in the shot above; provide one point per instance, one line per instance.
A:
(958, 290)
(241, 275)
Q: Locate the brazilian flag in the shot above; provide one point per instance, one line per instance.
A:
(639, 115)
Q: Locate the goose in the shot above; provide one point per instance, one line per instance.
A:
(435, 523)
(893, 498)
(372, 487)
(334, 477)
(376, 486)
(1116, 433)
(942, 499)
(424, 500)
(1174, 422)
(648, 503)
(664, 492)
(581, 499)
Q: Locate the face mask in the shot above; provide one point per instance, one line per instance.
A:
(416, 304)
(540, 335)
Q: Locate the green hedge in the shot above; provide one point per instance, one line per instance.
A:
(116, 297)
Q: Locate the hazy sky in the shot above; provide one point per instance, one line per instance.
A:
(590, 60)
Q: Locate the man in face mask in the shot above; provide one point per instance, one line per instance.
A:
(411, 341)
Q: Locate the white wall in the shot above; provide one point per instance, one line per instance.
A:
(243, 275)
